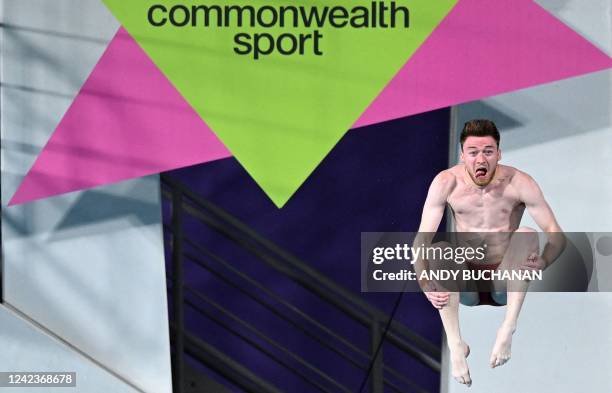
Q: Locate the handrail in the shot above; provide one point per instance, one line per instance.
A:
(224, 365)
(266, 339)
(186, 201)
(311, 279)
(223, 277)
(280, 315)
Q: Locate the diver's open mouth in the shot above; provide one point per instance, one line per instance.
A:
(480, 172)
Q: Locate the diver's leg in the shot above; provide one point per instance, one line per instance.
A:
(459, 350)
(446, 300)
(524, 243)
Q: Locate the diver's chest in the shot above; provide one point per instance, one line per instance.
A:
(470, 200)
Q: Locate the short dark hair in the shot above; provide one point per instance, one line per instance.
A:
(479, 127)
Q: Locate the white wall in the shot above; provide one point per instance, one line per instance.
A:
(561, 134)
(88, 266)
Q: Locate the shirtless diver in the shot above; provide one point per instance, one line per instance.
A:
(486, 197)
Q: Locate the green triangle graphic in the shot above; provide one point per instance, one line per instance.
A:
(278, 114)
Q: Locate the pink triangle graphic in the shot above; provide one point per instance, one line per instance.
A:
(129, 121)
(480, 50)
(126, 122)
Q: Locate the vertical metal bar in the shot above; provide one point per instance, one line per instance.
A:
(376, 379)
(177, 290)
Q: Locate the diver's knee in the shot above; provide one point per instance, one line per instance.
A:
(527, 239)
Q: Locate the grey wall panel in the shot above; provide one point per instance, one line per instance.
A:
(561, 134)
(26, 348)
(88, 266)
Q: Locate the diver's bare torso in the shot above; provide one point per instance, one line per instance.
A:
(495, 208)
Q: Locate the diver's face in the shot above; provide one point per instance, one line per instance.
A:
(480, 156)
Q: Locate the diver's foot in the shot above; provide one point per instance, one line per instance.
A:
(502, 348)
(459, 366)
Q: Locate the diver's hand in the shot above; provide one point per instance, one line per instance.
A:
(437, 298)
(534, 262)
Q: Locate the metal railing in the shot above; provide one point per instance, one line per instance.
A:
(381, 327)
